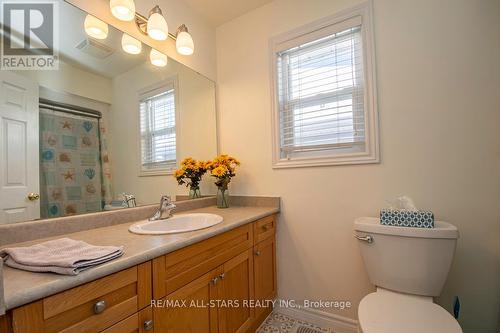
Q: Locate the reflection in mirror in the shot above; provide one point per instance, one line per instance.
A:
(105, 130)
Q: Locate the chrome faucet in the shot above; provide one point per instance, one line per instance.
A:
(165, 210)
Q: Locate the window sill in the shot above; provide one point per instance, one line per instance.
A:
(326, 161)
(159, 172)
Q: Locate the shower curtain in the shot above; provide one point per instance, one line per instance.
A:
(70, 164)
(106, 188)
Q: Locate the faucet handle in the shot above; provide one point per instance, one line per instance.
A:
(166, 202)
(166, 198)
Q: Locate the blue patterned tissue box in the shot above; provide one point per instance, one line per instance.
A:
(406, 218)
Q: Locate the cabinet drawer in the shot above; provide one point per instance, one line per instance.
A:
(176, 269)
(112, 289)
(264, 228)
(91, 307)
(140, 322)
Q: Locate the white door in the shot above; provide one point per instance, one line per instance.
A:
(19, 166)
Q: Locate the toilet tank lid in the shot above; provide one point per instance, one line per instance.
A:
(372, 225)
(395, 313)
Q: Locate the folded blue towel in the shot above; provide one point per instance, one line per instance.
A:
(407, 218)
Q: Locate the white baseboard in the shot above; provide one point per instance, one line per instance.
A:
(338, 324)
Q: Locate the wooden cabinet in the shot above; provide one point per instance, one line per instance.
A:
(208, 287)
(265, 273)
(91, 307)
(180, 267)
(218, 301)
(213, 286)
(189, 309)
(236, 290)
(264, 228)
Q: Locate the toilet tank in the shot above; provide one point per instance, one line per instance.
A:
(409, 260)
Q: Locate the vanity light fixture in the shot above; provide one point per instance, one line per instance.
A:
(157, 58)
(157, 27)
(131, 45)
(123, 9)
(184, 42)
(95, 28)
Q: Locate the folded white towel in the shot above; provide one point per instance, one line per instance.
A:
(62, 256)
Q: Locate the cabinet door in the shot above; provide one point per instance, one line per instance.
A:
(235, 292)
(265, 272)
(188, 310)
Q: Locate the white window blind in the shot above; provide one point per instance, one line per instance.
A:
(321, 94)
(324, 107)
(158, 131)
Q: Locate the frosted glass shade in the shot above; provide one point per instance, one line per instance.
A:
(95, 28)
(123, 9)
(184, 43)
(131, 45)
(157, 58)
(157, 27)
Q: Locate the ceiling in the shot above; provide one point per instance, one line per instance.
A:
(218, 12)
(103, 57)
(72, 33)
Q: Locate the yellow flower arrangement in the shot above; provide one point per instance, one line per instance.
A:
(190, 174)
(223, 168)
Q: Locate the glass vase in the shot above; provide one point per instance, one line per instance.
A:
(222, 197)
(194, 192)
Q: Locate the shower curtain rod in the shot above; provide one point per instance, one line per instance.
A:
(68, 108)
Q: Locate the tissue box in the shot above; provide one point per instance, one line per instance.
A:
(406, 218)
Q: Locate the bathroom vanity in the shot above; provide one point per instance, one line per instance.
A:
(186, 282)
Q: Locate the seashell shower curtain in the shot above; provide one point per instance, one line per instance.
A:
(73, 170)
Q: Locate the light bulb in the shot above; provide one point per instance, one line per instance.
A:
(123, 9)
(157, 58)
(95, 28)
(157, 26)
(184, 43)
(131, 45)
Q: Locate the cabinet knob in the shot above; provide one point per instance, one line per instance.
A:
(33, 196)
(222, 276)
(99, 307)
(257, 253)
(148, 324)
(215, 280)
(265, 227)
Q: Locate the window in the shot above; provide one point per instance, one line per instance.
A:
(324, 104)
(157, 110)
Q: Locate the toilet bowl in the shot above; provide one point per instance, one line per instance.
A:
(390, 312)
(409, 267)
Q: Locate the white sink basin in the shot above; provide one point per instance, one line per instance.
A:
(177, 223)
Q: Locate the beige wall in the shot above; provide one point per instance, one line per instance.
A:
(439, 106)
(176, 13)
(196, 125)
(87, 84)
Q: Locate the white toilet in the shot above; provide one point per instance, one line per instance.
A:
(409, 267)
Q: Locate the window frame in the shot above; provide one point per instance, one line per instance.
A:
(344, 154)
(148, 92)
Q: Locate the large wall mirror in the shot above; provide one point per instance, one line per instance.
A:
(105, 131)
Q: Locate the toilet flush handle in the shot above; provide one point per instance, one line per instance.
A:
(367, 238)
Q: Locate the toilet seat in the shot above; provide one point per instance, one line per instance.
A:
(390, 312)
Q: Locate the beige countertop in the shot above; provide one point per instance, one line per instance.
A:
(22, 287)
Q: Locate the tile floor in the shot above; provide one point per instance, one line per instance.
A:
(280, 323)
